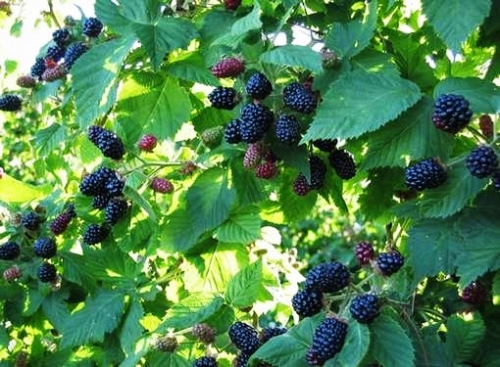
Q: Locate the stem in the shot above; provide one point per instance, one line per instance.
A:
(417, 335)
(52, 14)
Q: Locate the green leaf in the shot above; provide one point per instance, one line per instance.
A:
(242, 226)
(192, 68)
(243, 288)
(455, 20)
(292, 55)
(495, 289)
(101, 315)
(390, 346)
(240, 28)
(95, 78)
(412, 134)
(14, 191)
(377, 198)
(138, 199)
(56, 310)
(349, 39)
(295, 207)
(179, 233)
(131, 329)
(483, 95)
(158, 103)
(48, 139)
(464, 337)
(376, 98)
(355, 347)
(111, 15)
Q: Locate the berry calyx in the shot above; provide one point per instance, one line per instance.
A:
(328, 277)
(390, 262)
(244, 337)
(451, 113)
(482, 161)
(229, 67)
(364, 253)
(162, 185)
(147, 143)
(365, 308)
(426, 174)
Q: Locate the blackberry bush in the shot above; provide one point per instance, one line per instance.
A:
(307, 302)
(244, 337)
(365, 308)
(298, 98)
(266, 170)
(229, 67)
(10, 102)
(224, 98)
(343, 163)
(205, 362)
(288, 129)
(328, 277)
(390, 262)
(451, 113)
(47, 272)
(328, 340)
(45, 247)
(482, 161)
(92, 27)
(426, 174)
(9, 250)
(258, 86)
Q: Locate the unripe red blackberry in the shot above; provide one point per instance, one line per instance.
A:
(162, 185)
(188, 168)
(204, 333)
(266, 170)
(12, 273)
(229, 67)
(474, 293)
(232, 4)
(147, 143)
(166, 343)
(55, 73)
(300, 185)
(486, 125)
(253, 155)
(364, 252)
(26, 81)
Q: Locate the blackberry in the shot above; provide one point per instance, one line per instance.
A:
(224, 98)
(212, 137)
(474, 293)
(229, 67)
(244, 337)
(288, 129)
(482, 161)
(205, 362)
(390, 262)
(232, 4)
(270, 332)
(343, 163)
(100, 201)
(486, 125)
(253, 155)
(115, 210)
(298, 98)
(26, 81)
(45, 247)
(162, 185)
(60, 223)
(300, 185)
(241, 360)
(55, 73)
(47, 272)
(114, 186)
(328, 340)
(92, 27)
(365, 308)
(108, 142)
(204, 333)
(255, 120)
(451, 113)
(328, 277)
(232, 132)
(147, 143)
(495, 179)
(73, 53)
(266, 170)
(307, 302)
(61, 37)
(258, 86)
(31, 221)
(9, 250)
(10, 102)
(364, 252)
(325, 145)
(95, 233)
(167, 343)
(318, 171)
(12, 273)
(55, 52)
(94, 184)
(425, 174)
(38, 68)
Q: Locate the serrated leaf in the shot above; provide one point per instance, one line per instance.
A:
(193, 69)
(48, 139)
(332, 190)
(483, 95)
(56, 310)
(95, 78)
(355, 347)
(295, 207)
(377, 198)
(292, 55)
(242, 226)
(376, 98)
(131, 329)
(390, 345)
(101, 314)
(240, 28)
(111, 15)
(138, 199)
(349, 39)
(179, 233)
(243, 289)
(464, 337)
(158, 103)
(14, 191)
(447, 18)
(211, 117)
(412, 134)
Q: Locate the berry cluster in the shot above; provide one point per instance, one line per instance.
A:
(260, 158)
(108, 142)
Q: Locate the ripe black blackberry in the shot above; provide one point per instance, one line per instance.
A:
(390, 262)
(60, 223)
(325, 145)
(426, 174)
(108, 142)
(328, 340)
(241, 360)
(451, 113)
(10, 102)
(244, 337)
(45, 247)
(9, 250)
(318, 172)
(95, 183)
(232, 132)
(115, 210)
(100, 201)
(92, 27)
(95, 233)
(270, 332)
(474, 293)
(364, 252)
(31, 221)
(365, 308)
(73, 53)
(288, 129)
(204, 333)
(224, 98)
(255, 120)
(205, 362)
(114, 186)
(258, 86)
(38, 68)
(300, 185)
(55, 52)
(298, 98)
(343, 163)
(47, 272)
(328, 277)
(61, 37)
(307, 302)
(495, 179)
(482, 161)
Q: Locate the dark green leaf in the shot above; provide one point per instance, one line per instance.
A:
(355, 346)
(131, 329)
(291, 55)
(464, 337)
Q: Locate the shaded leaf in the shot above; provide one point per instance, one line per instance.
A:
(292, 55)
